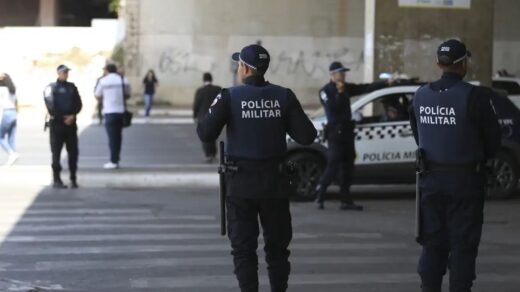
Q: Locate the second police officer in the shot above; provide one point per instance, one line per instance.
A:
(257, 116)
(339, 132)
(455, 126)
(63, 104)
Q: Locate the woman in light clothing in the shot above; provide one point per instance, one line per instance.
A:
(8, 114)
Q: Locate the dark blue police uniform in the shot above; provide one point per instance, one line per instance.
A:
(339, 133)
(61, 99)
(456, 128)
(258, 115)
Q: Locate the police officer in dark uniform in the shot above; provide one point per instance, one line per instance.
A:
(257, 116)
(63, 104)
(339, 132)
(455, 126)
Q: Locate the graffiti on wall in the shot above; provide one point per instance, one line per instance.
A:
(174, 61)
(313, 63)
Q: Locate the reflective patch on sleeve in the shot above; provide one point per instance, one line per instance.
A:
(215, 101)
(47, 93)
(323, 96)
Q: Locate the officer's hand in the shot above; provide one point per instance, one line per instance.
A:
(340, 86)
(69, 120)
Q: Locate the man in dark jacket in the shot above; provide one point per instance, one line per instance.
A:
(203, 99)
(63, 104)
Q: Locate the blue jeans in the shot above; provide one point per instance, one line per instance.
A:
(8, 130)
(148, 102)
(114, 127)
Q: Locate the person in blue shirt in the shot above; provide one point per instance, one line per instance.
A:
(339, 132)
(257, 115)
(457, 131)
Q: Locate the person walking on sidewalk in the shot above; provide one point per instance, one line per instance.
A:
(8, 117)
(63, 103)
(150, 83)
(113, 89)
(204, 97)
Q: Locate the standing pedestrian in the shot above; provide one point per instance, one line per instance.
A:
(454, 145)
(150, 84)
(258, 115)
(203, 99)
(339, 132)
(113, 90)
(63, 104)
(99, 101)
(8, 117)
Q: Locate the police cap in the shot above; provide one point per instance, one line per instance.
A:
(337, 67)
(254, 56)
(452, 52)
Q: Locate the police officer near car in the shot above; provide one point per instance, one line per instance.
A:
(455, 127)
(339, 132)
(258, 115)
(63, 103)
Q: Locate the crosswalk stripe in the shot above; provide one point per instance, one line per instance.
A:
(77, 227)
(133, 237)
(30, 212)
(301, 279)
(126, 264)
(191, 247)
(91, 218)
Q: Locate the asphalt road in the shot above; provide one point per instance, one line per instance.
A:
(130, 237)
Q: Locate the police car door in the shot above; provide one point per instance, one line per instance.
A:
(385, 146)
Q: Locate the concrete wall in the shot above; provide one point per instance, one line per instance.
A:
(506, 49)
(181, 39)
(406, 39)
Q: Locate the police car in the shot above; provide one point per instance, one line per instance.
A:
(511, 85)
(385, 146)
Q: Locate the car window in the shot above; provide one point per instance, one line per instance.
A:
(388, 108)
(511, 87)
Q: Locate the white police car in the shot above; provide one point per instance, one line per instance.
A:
(385, 145)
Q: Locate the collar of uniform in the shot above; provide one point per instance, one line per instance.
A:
(451, 75)
(255, 80)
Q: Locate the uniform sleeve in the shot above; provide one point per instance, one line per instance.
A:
(357, 89)
(210, 127)
(413, 123)
(196, 104)
(483, 111)
(78, 104)
(299, 127)
(48, 98)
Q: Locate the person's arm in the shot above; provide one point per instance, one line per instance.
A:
(196, 104)
(299, 127)
(98, 92)
(48, 97)
(78, 105)
(487, 120)
(413, 124)
(358, 89)
(211, 125)
(10, 84)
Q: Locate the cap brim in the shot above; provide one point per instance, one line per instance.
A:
(235, 57)
(64, 70)
(343, 69)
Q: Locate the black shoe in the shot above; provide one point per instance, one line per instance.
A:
(58, 184)
(319, 199)
(350, 206)
(74, 184)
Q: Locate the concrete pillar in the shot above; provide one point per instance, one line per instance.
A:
(48, 12)
(406, 39)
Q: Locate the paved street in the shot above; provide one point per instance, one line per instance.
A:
(136, 238)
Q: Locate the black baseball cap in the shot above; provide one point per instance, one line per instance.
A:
(452, 52)
(62, 68)
(337, 67)
(253, 56)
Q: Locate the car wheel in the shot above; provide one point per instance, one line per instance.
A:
(503, 176)
(309, 168)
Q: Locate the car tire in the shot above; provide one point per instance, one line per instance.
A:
(309, 167)
(504, 175)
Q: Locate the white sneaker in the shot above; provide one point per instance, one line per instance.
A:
(110, 165)
(12, 158)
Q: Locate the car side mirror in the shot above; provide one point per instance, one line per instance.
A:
(358, 117)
